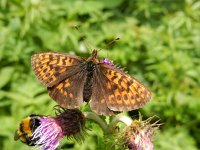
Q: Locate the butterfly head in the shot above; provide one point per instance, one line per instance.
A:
(94, 53)
(94, 58)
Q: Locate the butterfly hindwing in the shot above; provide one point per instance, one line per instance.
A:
(69, 92)
(124, 92)
(50, 68)
(99, 94)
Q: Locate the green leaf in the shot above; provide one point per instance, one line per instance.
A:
(5, 75)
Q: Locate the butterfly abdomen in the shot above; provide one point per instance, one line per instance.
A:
(87, 90)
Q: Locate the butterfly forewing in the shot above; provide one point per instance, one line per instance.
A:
(50, 68)
(125, 92)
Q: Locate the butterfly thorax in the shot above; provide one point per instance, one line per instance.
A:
(90, 62)
(87, 90)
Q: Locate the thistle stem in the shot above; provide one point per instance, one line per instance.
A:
(97, 119)
(119, 118)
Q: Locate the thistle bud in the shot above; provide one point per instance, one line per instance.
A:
(138, 135)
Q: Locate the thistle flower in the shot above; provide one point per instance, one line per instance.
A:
(48, 134)
(138, 135)
(50, 130)
(108, 62)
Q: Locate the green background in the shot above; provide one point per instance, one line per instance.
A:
(159, 45)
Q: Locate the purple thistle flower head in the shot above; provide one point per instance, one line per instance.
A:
(49, 134)
(138, 136)
(68, 122)
(49, 131)
(108, 62)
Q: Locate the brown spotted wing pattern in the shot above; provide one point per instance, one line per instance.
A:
(63, 76)
(117, 90)
(72, 80)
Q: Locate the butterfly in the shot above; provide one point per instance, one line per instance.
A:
(72, 80)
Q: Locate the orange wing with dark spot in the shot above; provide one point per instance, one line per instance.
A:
(119, 91)
(50, 68)
(126, 93)
(63, 75)
(69, 92)
(100, 94)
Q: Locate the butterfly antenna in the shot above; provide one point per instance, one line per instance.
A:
(87, 45)
(109, 44)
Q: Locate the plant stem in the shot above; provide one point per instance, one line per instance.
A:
(97, 119)
(119, 118)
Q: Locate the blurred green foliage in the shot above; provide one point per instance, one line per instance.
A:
(160, 46)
